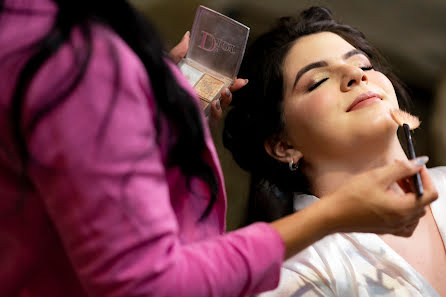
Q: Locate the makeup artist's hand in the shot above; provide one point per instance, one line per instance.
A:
(367, 202)
(370, 203)
(178, 52)
(224, 101)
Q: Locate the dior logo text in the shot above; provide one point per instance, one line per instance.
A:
(210, 43)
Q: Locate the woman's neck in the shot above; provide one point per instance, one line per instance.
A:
(327, 176)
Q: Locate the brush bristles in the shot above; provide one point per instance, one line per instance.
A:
(402, 117)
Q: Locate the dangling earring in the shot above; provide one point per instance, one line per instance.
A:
(293, 166)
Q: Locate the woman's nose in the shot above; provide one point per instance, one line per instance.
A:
(352, 76)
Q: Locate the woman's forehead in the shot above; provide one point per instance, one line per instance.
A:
(312, 48)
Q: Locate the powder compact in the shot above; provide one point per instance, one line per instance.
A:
(216, 50)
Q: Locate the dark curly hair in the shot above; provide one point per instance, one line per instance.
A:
(257, 113)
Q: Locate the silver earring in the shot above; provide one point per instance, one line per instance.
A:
(293, 166)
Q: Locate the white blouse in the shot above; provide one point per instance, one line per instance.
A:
(357, 264)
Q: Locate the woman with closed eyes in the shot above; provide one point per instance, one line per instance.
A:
(316, 113)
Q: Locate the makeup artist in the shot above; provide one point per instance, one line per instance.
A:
(110, 184)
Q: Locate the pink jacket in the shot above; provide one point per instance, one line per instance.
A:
(109, 219)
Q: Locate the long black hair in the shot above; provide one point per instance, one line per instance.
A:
(172, 102)
(258, 113)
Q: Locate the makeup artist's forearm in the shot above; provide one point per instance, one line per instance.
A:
(303, 228)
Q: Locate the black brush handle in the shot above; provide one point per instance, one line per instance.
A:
(416, 178)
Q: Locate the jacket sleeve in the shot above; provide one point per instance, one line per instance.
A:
(99, 170)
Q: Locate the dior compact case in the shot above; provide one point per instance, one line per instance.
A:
(215, 52)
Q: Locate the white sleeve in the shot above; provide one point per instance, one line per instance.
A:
(307, 278)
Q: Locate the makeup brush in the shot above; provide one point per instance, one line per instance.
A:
(409, 122)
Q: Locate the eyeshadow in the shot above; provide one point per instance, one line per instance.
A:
(208, 87)
(192, 74)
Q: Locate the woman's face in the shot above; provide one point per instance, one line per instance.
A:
(335, 103)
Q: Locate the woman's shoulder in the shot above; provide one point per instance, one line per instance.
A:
(103, 59)
(111, 52)
(132, 68)
(439, 170)
(111, 70)
(438, 175)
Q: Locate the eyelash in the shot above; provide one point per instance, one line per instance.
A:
(314, 86)
(367, 68)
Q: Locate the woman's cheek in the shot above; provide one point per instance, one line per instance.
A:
(294, 111)
(305, 115)
(385, 83)
(319, 103)
(302, 110)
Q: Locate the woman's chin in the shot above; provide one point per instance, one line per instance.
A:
(376, 117)
(375, 129)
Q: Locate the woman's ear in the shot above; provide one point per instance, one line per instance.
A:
(282, 150)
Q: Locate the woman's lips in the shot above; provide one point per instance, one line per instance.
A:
(364, 100)
(365, 103)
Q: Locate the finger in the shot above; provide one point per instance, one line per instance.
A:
(397, 188)
(226, 98)
(399, 169)
(409, 229)
(414, 216)
(238, 84)
(406, 185)
(430, 193)
(216, 112)
(420, 213)
(403, 232)
(426, 179)
(179, 51)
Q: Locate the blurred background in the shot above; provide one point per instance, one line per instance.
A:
(410, 33)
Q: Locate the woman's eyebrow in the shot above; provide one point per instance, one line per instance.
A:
(324, 63)
(308, 68)
(354, 52)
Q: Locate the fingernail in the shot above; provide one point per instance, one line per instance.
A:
(186, 34)
(246, 81)
(218, 105)
(227, 92)
(421, 160)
